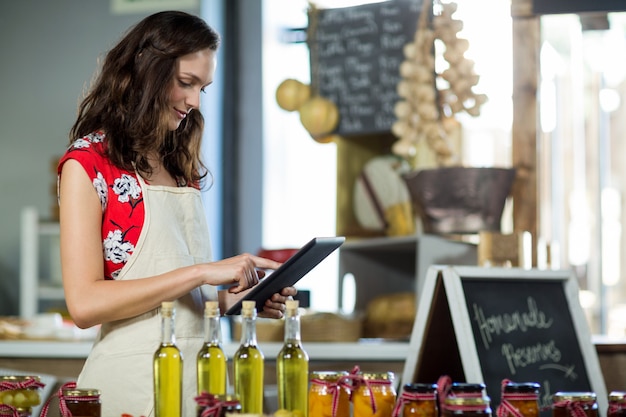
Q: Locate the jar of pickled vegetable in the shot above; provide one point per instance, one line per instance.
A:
(83, 402)
(417, 400)
(572, 404)
(20, 393)
(519, 399)
(374, 395)
(329, 394)
(617, 404)
(464, 406)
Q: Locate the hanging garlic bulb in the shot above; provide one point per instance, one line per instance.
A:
(423, 107)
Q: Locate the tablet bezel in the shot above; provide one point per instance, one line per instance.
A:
(290, 272)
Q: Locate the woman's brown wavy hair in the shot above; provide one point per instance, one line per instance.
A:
(128, 100)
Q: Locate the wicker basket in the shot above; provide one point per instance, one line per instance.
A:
(314, 327)
(330, 327)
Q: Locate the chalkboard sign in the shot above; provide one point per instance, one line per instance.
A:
(577, 6)
(356, 54)
(521, 325)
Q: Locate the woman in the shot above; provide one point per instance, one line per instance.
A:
(133, 231)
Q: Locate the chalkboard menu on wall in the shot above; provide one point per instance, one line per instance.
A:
(356, 54)
(521, 325)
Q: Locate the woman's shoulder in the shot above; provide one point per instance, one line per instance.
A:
(90, 152)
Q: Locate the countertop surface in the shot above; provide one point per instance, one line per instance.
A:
(374, 350)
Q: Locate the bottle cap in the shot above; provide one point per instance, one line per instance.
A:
(211, 308)
(292, 304)
(167, 305)
(248, 305)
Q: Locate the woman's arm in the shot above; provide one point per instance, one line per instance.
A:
(93, 300)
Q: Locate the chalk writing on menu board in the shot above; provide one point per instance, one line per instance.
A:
(356, 54)
(524, 331)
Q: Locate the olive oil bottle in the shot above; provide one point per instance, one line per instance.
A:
(211, 360)
(292, 366)
(248, 364)
(168, 368)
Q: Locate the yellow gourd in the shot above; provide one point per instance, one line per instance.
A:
(319, 116)
(291, 94)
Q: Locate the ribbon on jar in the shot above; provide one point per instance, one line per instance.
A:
(506, 408)
(8, 411)
(406, 397)
(65, 412)
(444, 383)
(574, 408)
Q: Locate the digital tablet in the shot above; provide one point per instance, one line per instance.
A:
(290, 272)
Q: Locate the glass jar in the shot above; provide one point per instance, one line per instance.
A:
(617, 404)
(329, 394)
(20, 392)
(569, 404)
(466, 406)
(519, 399)
(83, 402)
(374, 395)
(417, 400)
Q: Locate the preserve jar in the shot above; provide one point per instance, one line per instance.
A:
(329, 394)
(81, 402)
(466, 406)
(466, 389)
(20, 393)
(417, 400)
(373, 395)
(210, 405)
(617, 404)
(572, 404)
(519, 399)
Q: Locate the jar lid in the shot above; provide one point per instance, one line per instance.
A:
(81, 392)
(420, 387)
(618, 396)
(380, 376)
(19, 378)
(328, 375)
(466, 387)
(522, 387)
(574, 396)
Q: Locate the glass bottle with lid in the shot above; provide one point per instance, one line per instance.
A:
(249, 364)
(466, 406)
(168, 368)
(19, 393)
(292, 365)
(617, 404)
(329, 394)
(519, 399)
(417, 400)
(211, 360)
(374, 395)
(571, 404)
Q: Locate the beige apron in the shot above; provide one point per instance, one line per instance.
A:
(174, 234)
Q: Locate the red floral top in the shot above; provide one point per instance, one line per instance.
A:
(120, 196)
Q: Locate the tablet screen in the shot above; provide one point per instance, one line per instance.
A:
(290, 272)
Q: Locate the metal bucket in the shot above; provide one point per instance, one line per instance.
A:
(460, 200)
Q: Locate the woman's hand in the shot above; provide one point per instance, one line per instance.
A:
(274, 307)
(241, 271)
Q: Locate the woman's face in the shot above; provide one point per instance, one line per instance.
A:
(194, 72)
